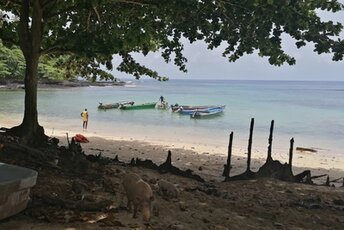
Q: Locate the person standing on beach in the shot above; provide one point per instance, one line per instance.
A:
(84, 116)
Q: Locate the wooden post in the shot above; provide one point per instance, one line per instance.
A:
(269, 158)
(250, 146)
(68, 140)
(169, 158)
(291, 152)
(227, 167)
(327, 181)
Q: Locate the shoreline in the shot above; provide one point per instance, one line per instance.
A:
(203, 160)
(208, 165)
(59, 84)
(311, 160)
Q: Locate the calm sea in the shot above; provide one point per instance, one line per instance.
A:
(311, 112)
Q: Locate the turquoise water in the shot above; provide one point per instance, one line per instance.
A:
(311, 112)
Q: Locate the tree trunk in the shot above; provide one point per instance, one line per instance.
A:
(30, 37)
(30, 130)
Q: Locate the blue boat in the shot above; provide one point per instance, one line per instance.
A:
(176, 108)
(208, 113)
(192, 110)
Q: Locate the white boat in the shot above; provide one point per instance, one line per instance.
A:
(15, 184)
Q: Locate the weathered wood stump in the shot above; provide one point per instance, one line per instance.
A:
(271, 168)
(165, 167)
(227, 167)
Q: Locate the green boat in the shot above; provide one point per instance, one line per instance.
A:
(150, 105)
(114, 105)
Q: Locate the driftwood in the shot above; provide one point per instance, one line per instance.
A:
(165, 167)
(248, 174)
(168, 167)
(94, 158)
(146, 164)
(249, 148)
(318, 176)
(327, 183)
(227, 167)
(271, 168)
(336, 180)
(291, 153)
(269, 158)
(302, 149)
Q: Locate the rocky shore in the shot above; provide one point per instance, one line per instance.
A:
(59, 84)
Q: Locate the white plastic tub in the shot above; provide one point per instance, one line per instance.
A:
(15, 184)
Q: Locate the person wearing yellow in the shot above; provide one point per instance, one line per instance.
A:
(84, 116)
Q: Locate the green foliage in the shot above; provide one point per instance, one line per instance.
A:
(91, 32)
(55, 68)
(12, 64)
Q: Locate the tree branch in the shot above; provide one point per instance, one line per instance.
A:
(13, 1)
(56, 49)
(140, 3)
(24, 26)
(98, 16)
(232, 4)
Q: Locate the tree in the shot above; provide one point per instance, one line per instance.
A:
(13, 63)
(92, 31)
(12, 66)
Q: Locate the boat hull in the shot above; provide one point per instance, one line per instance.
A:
(15, 185)
(208, 114)
(161, 105)
(109, 106)
(114, 105)
(138, 107)
(192, 110)
(177, 108)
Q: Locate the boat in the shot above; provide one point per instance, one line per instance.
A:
(149, 105)
(191, 109)
(176, 108)
(208, 113)
(15, 185)
(161, 105)
(114, 105)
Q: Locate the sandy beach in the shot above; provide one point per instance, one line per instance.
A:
(206, 160)
(194, 154)
(189, 153)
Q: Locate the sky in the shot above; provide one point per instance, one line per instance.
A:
(209, 64)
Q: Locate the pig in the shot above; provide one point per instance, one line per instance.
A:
(167, 189)
(139, 194)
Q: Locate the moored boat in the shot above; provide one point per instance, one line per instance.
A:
(15, 185)
(150, 105)
(161, 105)
(176, 108)
(114, 105)
(188, 110)
(208, 113)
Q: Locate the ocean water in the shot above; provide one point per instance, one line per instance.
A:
(311, 112)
